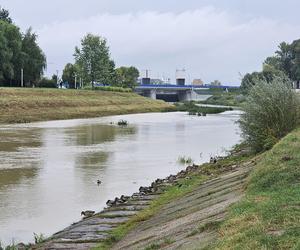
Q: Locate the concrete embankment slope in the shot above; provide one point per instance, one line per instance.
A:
(184, 221)
(190, 222)
(20, 105)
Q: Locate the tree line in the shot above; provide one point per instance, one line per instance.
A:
(284, 64)
(93, 65)
(20, 52)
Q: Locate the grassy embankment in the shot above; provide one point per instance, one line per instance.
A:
(220, 97)
(174, 192)
(29, 105)
(269, 215)
(193, 109)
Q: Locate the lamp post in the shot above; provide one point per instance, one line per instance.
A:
(22, 77)
(57, 81)
(75, 80)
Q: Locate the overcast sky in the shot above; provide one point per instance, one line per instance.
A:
(216, 39)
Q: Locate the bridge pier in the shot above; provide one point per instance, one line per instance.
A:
(185, 95)
(150, 93)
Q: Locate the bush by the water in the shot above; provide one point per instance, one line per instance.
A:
(271, 111)
(184, 160)
(122, 123)
(194, 109)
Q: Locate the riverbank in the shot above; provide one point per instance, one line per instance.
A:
(21, 105)
(233, 98)
(126, 213)
(194, 208)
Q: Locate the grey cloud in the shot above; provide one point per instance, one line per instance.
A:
(211, 44)
(215, 42)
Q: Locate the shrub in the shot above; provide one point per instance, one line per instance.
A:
(122, 123)
(184, 160)
(270, 112)
(46, 83)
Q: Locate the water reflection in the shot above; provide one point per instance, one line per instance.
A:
(17, 176)
(48, 170)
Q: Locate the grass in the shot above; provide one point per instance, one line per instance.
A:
(110, 88)
(213, 225)
(183, 187)
(193, 109)
(160, 245)
(28, 105)
(234, 98)
(185, 160)
(269, 215)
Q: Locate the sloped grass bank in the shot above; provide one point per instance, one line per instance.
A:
(28, 105)
(182, 188)
(268, 217)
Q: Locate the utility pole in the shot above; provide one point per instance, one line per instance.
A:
(57, 82)
(22, 78)
(75, 81)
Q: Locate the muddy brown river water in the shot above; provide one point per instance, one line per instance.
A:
(49, 170)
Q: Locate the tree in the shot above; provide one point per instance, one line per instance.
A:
(33, 59)
(4, 15)
(69, 73)
(10, 51)
(93, 59)
(127, 77)
(45, 82)
(268, 74)
(18, 51)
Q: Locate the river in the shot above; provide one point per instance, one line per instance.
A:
(49, 170)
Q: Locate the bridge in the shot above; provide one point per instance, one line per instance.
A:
(175, 93)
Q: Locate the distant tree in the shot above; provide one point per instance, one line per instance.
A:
(93, 59)
(55, 78)
(18, 51)
(295, 75)
(285, 57)
(33, 59)
(4, 15)
(69, 73)
(10, 51)
(127, 77)
(268, 74)
(45, 82)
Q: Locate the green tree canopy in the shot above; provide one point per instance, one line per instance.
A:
(10, 50)
(69, 73)
(4, 15)
(19, 51)
(286, 61)
(127, 77)
(93, 59)
(33, 59)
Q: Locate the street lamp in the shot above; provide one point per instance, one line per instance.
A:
(22, 77)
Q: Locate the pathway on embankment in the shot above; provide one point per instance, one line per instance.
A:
(184, 223)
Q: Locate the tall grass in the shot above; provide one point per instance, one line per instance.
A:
(110, 88)
(20, 105)
(272, 110)
(193, 109)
